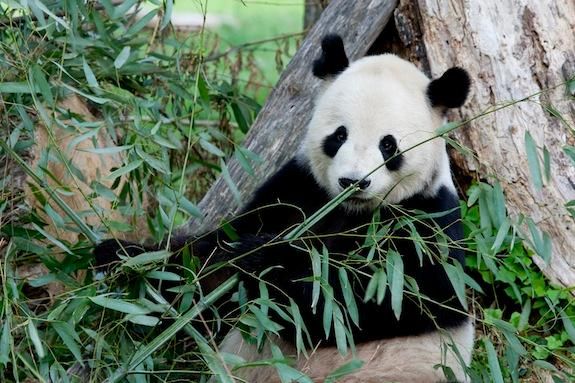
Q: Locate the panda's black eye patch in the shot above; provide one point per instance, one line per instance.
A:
(334, 141)
(391, 155)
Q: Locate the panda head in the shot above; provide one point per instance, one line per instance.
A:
(374, 123)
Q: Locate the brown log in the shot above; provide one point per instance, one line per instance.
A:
(279, 127)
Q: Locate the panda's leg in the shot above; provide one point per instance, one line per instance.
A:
(107, 253)
(403, 360)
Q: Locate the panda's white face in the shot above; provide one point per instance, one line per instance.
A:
(373, 125)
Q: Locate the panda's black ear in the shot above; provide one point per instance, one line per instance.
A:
(450, 90)
(333, 59)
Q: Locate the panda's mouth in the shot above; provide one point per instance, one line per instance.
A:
(359, 200)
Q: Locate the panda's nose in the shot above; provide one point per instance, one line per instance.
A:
(361, 184)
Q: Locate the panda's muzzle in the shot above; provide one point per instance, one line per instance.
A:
(361, 184)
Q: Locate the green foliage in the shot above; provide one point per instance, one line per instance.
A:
(176, 108)
(533, 317)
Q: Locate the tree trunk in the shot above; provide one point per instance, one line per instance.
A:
(312, 12)
(512, 49)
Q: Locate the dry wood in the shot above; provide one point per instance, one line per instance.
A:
(514, 49)
(312, 12)
(276, 133)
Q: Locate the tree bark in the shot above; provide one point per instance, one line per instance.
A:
(312, 12)
(513, 49)
(276, 133)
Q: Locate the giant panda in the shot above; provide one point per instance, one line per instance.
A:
(373, 129)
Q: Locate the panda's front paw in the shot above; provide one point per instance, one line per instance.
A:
(107, 253)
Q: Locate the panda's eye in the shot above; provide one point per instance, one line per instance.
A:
(393, 158)
(334, 141)
(388, 144)
(341, 134)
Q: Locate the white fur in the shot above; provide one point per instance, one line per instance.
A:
(378, 96)
(403, 360)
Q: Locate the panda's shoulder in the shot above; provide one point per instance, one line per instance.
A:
(293, 183)
(443, 199)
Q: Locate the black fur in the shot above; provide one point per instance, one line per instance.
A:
(283, 202)
(333, 59)
(107, 253)
(334, 141)
(450, 90)
(388, 147)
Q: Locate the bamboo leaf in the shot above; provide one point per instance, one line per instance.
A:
(240, 118)
(16, 87)
(144, 320)
(286, 373)
(50, 238)
(124, 170)
(318, 215)
(70, 338)
(533, 161)
(316, 270)
(97, 100)
(299, 325)
(211, 148)
(108, 150)
(119, 305)
(164, 276)
(167, 14)
(346, 369)
(525, 313)
(44, 9)
(82, 137)
(147, 258)
(544, 365)
(493, 362)
(327, 309)
(348, 296)
(35, 338)
(228, 180)
(90, 77)
(339, 330)
(122, 9)
(39, 79)
(446, 128)
(122, 57)
(5, 341)
(190, 208)
(140, 24)
(501, 234)
(381, 286)
(395, 271)
(546, 164)
(568, 325)
(541, 241)
(161, 166)
(568, 150)
(455, 274)
(371, 287)
(509, 333)
(512, 359)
